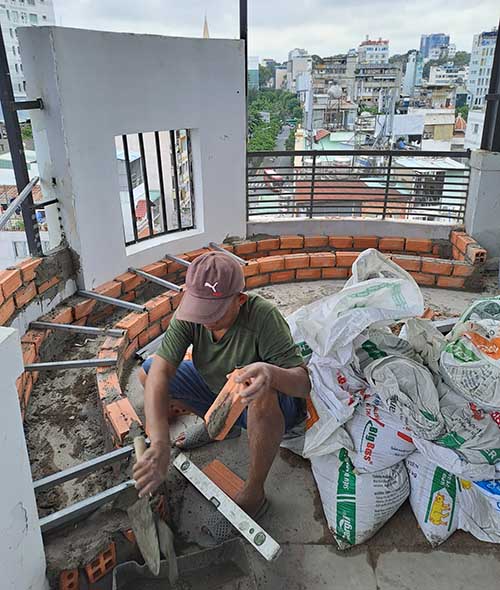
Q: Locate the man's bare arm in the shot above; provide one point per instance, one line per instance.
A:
(264, 376)
(152, 469)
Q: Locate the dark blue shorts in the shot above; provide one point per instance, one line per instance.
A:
(189, 388)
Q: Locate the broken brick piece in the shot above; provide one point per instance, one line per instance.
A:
(102, 564)
(226, 409)
(224, 478)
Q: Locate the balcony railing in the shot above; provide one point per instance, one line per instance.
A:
(407, 185)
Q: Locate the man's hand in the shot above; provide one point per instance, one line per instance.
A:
(260, 378)
(151, 469)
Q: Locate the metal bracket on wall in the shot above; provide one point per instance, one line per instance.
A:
(112, 301)
(215, 246)
(27, 105)
(154, 279)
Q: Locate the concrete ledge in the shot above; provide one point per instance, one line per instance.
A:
(353, 227)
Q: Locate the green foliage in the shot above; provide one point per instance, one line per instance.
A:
(290, 141)
(373, 110)
(281, 105)
(462, 111)
(462, 58)
(265, 74)
(26, 131)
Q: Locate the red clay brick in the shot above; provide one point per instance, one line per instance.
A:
(245, 248)
(36, 337)
(121, 415)
(84, 308)
(279, 252)
(462, 241)
(7, 310)
(257, 281)
(129, 281)
(227, 247)
(454, 235)
(150, 334)
(48, 285)
(296, 261)
(29, 352)
(173, 267)
(320, 259)
(424, 279)
(158, 269)
(130, 296)
(63, 315)
(291, 242)
(340, 242)
(166, 321)
(315, 241)
(131, 348)
(418, 245)
(436, 266)
(28, 268)
(224, 478)
(102, 564)
(462, 269)
(158, 307)
(10, 280)
(271, 263)
(175, 298)
(475, 254)
(436, 250)
(308, 274)
(108, 384)
(284, 276)
(346, 258)
(363, 242)
(134, 323)
(28, 388)
(115, 343)
(193, 254)
(391, 244)
(20, 382)
(408, 262)
(251, 268)
(25, 294)
(451, 282)
(2, 298)
(68, 580)
(334, 273)
(110, 289)
(268, 244)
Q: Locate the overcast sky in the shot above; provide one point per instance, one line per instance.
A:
(324, 27)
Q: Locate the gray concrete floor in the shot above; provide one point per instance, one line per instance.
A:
(397, 557)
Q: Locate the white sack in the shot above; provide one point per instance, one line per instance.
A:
(357, 505)
(433, 498)
(407, 391)
(479, 509)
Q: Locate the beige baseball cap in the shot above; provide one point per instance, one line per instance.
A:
(212, 280)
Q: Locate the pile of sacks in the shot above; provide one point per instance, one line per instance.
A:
(391, 417)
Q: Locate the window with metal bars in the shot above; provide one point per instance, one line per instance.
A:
(156, 183)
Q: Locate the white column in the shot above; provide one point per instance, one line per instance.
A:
(482, 216)
(22, 559)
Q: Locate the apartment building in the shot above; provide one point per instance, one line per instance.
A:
(483, 48)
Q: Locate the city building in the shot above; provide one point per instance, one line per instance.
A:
(439, 127)
(474, 131)
(437, 96)
(448, 74)
(253, 72)
(22, 14)
(280, 75)
(332, 113)
(413, 73)
(433, 41)
(458, 140)
(481, 62)
(373, 51)
(377, 84)
(336, 70)
(298, 61)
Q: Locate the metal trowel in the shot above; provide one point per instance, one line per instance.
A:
(143, 522)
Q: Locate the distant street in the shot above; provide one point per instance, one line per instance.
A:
(273, 162)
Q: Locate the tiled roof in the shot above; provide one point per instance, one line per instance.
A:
(10, 191)
(460, 124)
(322, 133)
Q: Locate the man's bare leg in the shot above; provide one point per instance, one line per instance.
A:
(266, 425)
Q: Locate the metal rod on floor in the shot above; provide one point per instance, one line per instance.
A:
(215, 246)
(157, 280)
(173, 258)
(77, 364)
(112, 301)
(79, 509)
(82, 469)
(91, 331)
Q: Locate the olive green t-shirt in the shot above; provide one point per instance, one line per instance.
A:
(260, 333)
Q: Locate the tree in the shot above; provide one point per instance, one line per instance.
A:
(265, 74)
(462, 111)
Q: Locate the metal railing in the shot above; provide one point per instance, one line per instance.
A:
(159, 184)
(417, 185)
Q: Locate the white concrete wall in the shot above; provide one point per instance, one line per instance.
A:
(482, 216)
(96, 85)
(351, 227)
(22, 559)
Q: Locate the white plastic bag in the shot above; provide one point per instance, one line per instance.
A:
(470, 364)
(433, 498)
(379, 439)
(297, 335)
(479, 509)
(378, 291)
(426, 340)
(407, 391)
(357, 505)
(375, 343)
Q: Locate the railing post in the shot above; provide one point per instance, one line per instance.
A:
(313, 178)
(387, 184)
